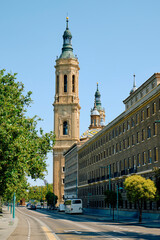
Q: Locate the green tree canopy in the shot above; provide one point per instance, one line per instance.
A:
(23, 149)
(51, 199)
(38, 193)
(139, 189)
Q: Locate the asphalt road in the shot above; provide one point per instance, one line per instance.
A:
(47, 225)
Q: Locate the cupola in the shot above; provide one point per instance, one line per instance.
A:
(67, 50)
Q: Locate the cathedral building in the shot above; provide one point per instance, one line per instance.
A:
(66, 110)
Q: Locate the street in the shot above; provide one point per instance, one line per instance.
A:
(43, 225)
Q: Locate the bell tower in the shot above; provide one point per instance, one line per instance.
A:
(66, 110)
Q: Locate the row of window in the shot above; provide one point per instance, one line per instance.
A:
(65, 84)
(139, 117)
(122, 145)
(123, 204)
(123, 167)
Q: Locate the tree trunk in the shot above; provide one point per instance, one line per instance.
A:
(140, 210)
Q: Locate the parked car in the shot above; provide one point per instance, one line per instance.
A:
(38, 206)
(28, 205)
(33, 207)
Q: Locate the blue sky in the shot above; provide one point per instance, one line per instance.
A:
(112, 39)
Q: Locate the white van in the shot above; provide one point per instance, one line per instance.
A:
(73, 206)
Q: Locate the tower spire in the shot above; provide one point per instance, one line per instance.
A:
(134, 85)
(67, 50)
(134, 81)
(67, 20)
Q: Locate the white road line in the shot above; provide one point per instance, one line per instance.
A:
(40, 222)
(91, 229)
(29, 229)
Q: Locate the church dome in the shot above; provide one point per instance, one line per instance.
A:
(95, 112)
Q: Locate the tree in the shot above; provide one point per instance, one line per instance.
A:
(51, 199)
(111, 198)
(23, 148)
(139, 190)
(38, 193)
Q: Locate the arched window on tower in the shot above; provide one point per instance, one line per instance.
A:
(73, 83)
(57, 85)
(65, 83)
(65, 128)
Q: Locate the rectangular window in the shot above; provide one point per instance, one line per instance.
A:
(128, 125)
(128, 142)
(153, 108)
(113, 150)
(123, 127)
(138, 137)
(116, 132)
(144, 158)
(132, 122)
(148, 132)
(116, 147)
(138, 160)
(154, 129)
(143, 134)
(129, 163)
(134, 162)
(149, 156)
(155, 154)
(57, 85)
(148, 112)
(142, 116)
(120, 130)
(133, 139)
(110, 151)
(65, 83)
(120, 149)
(73, 83)
(112, 133)
(137, 118)
(124, 146)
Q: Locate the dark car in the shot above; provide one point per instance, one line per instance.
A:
(33, 207)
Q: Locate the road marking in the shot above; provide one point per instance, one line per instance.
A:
(49, 233)
(42, 224)
(92, 230)
(77, 232)
(29, 229)
(119, 232)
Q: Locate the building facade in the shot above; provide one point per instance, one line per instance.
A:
(71, 171)
(128, 145)
(66, 110)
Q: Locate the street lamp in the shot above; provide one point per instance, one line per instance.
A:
(109, 182)
(117, 200)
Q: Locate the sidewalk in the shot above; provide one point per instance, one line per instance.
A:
(123, 220)
(7, 224)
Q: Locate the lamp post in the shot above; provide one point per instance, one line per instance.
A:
(109, 167)
(14, 200)
(117, 200)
